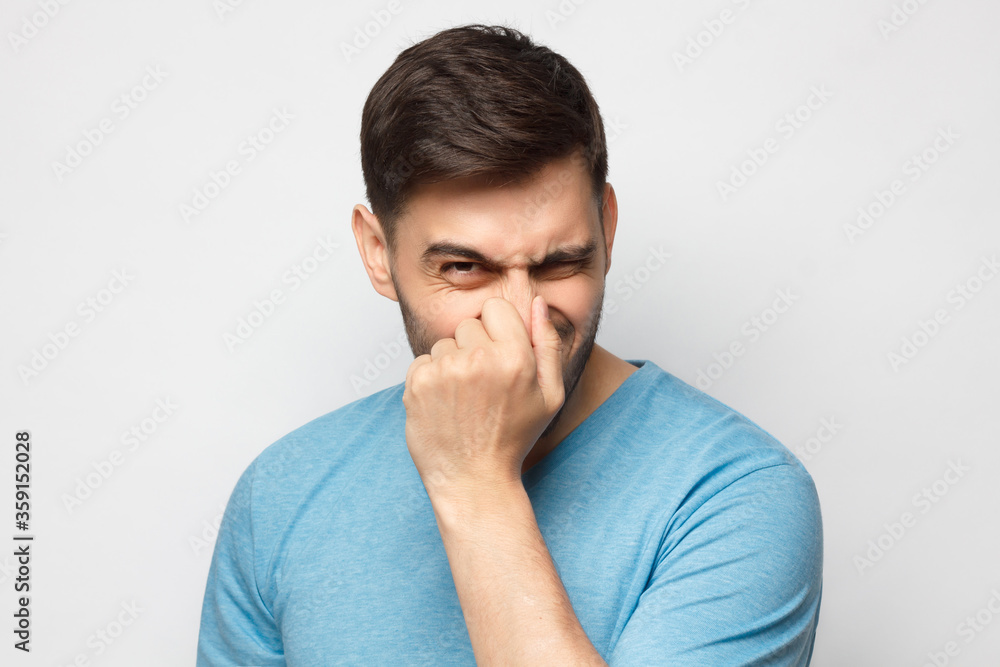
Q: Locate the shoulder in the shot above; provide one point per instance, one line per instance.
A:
(331, 438)
(331, 446)
(319, 457)
(705, 449)
(691, 422)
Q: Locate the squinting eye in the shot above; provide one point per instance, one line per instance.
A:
(569, 265)
(566, 267)
(459, 265)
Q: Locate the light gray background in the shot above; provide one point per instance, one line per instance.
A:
(144, 534)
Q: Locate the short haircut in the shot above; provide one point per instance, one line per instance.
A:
(475, 100)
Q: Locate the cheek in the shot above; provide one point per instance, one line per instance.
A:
(444, 309)
(576, 303)
(434, 307)
(576, 300)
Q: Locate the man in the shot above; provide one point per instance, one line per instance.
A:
(525, 497)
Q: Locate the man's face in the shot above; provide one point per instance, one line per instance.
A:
(463, 241)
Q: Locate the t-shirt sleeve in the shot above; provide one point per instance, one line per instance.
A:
(737, 582)
(236, 626)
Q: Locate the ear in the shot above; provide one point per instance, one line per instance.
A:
(610, 214)
(374, 252)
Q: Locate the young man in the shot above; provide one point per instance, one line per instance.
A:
(525, 497)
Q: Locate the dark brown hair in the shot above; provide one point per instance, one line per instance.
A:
(474, 100)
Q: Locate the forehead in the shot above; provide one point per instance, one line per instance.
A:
(507, 221)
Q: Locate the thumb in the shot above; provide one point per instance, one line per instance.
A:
(548, 353)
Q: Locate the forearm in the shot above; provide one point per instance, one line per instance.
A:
(516, 609)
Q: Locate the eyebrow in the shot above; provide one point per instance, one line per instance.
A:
(450, 249)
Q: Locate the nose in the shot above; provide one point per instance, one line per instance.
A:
(518, 288)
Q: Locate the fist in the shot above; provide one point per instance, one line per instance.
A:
(478, 402)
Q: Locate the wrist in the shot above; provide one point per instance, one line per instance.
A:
(479, 503)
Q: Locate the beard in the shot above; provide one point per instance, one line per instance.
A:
(421, 343)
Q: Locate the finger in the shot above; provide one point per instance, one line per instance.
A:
(547, 345)
(417, 363)
(422, 360)
(503, 323)
(442, 347)
(471, 333)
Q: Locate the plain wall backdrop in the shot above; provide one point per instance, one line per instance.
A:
(181, 288)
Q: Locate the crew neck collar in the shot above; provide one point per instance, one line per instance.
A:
(616, 402)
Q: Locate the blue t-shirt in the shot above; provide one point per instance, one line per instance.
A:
(683, 533)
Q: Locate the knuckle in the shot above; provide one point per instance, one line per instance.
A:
(419, 380)
(477, 358)
(517, 359)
